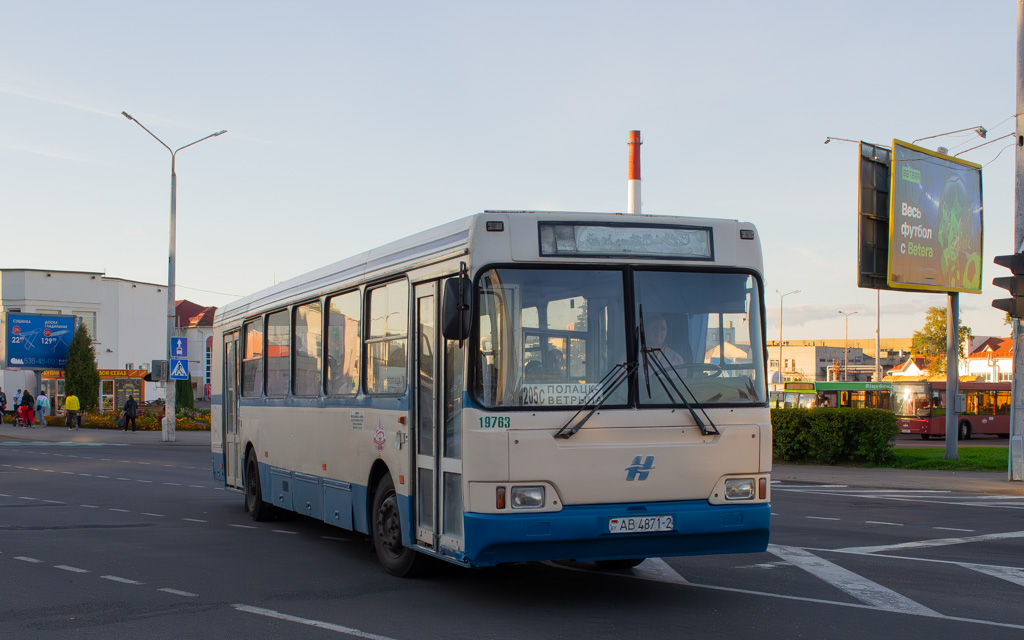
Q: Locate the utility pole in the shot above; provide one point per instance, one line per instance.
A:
(1015, 468)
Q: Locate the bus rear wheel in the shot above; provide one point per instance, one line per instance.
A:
(926, 436)
(258, 510)
(397, 559)
(963, 432)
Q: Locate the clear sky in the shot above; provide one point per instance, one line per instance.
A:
(351, 124)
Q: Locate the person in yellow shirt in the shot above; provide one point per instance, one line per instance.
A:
(73, 409)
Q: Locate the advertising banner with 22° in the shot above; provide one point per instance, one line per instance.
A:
(935, 222)
(38, 342)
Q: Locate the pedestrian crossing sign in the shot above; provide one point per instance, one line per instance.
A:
(179, 369)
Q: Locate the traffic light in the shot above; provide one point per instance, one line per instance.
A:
(1014, 284)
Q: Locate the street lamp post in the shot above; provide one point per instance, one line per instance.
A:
(171, 405)
(782, 379)
(846, 349)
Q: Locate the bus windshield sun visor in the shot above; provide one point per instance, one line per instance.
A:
(609, 383)
(654, 358)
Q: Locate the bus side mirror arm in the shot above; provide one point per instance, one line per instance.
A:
(457, 308)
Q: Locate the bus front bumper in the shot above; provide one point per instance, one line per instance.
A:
(582, 533)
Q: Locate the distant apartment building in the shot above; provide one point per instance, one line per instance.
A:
(830, 360)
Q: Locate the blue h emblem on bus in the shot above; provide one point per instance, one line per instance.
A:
(640, 470)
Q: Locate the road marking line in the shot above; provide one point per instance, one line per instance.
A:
(859, 587)
(104, 477)
(26, 559)
(65, 567)
(192, 520)
(89, 506)
(121, 580)
(196, 486)
(87, 475)
(155, 515)
(25, 498)
(888, 524)
(1011, 574)
(145, 481)
(172, 484)
(54, 501)
(119, 510)
(336, 538)
(241, 526)
(180, 593)
(291, 533)
(819, 518)
(658, 569)
(127, 479)
(955, 529)
(938, 542)
(312, 623)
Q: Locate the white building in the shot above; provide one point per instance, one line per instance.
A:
(127, 319)
(991, 359)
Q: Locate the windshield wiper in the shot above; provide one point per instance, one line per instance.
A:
(661, 372)
(604, 390)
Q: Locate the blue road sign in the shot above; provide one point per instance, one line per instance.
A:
(179, 369)
(179, 349)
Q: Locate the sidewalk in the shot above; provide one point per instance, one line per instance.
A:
(9, 432)
(965, 481)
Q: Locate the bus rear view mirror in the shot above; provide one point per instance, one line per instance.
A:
(457, 308)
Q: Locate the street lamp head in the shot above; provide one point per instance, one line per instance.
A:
(125, 114)
(220, 132)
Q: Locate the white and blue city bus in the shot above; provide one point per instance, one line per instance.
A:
(511, 386)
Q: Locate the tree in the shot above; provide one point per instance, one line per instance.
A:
(184, 398)
(80, 375)
(930, 341)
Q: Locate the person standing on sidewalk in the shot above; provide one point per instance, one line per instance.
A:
(42, 407)
(3, 404)
(72, 408)
(131, 409)
(28, 408)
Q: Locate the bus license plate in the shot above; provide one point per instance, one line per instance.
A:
(640, 524)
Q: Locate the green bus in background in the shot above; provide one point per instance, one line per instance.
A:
(854, 395)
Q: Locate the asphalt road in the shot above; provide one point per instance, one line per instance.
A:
(122, 536)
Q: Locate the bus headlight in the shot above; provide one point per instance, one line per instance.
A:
(527, 497)
(739, 489)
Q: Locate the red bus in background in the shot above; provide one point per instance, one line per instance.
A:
(920, 407)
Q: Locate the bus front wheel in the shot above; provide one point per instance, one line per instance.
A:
(258, 510)
(964, 431)
(397, 559)
(926, 436)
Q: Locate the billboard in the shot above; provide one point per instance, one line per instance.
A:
(935, 221)
(38, 342)
(873, 216)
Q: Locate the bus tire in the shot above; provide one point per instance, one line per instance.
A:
(926, 436)
(398, 560)
(258, 510)
(963, 432)
(612, 565)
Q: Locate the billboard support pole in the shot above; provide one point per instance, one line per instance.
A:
(1015, 465)
(952, 344)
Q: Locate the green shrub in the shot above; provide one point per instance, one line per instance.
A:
(829, 436)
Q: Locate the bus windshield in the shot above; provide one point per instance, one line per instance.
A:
(911, 400)
(547, 337)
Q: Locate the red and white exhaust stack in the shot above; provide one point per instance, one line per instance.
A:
(633, 204)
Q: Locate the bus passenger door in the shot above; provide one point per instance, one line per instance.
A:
(438, 403)
(232, 462)
(425, 404)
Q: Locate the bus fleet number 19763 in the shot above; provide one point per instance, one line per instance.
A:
(495, 422)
